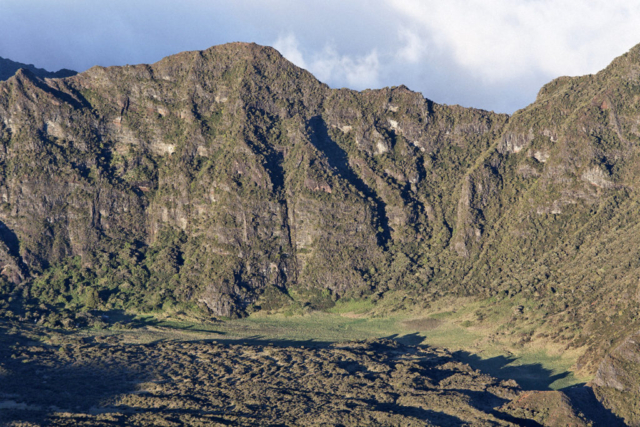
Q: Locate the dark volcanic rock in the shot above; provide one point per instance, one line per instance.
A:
(379, 382)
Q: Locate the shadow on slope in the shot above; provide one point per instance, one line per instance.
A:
(339, 160)
(33, 391)
(535, 377)
(584, 400)
(37, 381)
(532, 376)
(261, 340)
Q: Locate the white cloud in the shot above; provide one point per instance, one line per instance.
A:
(492, 54)
(358, 71)
(288, 47)
(414, 46)
(505, 40)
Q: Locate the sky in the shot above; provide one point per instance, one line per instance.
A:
(489, 54)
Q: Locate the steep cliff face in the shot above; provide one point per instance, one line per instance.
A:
(558, 197)
(617, 381)
(249, 171)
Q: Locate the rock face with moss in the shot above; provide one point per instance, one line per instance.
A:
(211, 176)
(231, 180)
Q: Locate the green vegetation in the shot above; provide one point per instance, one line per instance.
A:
(352, 306)
(534, 366)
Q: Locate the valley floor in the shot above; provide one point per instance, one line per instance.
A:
(491, 346)
(348, 367)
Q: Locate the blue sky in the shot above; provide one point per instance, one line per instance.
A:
(491, 54)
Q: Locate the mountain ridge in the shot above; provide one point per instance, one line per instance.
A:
(228, 181)
(8, 68)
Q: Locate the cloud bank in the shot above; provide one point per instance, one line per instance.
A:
(358, 72)
(492, 54)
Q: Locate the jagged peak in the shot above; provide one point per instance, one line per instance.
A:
(8, 68)
(24, 76)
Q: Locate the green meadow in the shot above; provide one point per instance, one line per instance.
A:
(494, 345)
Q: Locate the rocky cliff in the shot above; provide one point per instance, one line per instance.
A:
(211, 176)
(229, 180)
(250, 173)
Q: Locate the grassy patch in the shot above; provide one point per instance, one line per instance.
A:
(316, 327)
(441, 315)
(352, 306)
(533, 366)
(492, 337)
(423, 324)
(482, 333)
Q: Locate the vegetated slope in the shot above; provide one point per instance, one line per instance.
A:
(231, 180)
(8, 68)
(562, 230)
(211, 176)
